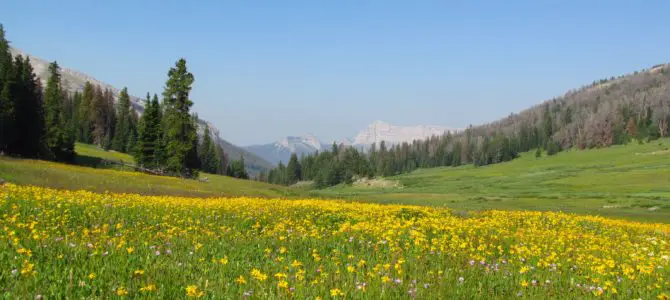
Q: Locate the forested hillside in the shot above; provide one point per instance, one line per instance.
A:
(45, 121)
(628, 108)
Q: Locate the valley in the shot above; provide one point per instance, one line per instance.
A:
(107, 195)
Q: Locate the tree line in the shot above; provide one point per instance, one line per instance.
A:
(45, 122)
(613, 111)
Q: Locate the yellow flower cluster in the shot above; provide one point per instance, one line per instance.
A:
(128, 245)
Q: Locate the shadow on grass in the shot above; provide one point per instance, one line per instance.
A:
(99, 163)
(88, 161)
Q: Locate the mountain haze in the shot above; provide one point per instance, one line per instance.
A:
(280, 151)
(372, 134)
(73, 80)
(381, 131)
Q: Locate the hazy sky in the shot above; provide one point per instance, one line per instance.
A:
(267, 69)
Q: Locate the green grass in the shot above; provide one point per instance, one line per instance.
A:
(93, 156)
(80, 245)
(97, 152)
(631, 182)
(90, 174)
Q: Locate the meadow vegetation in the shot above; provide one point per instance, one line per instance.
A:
(79, 244)
(94, 175)
(628, 181)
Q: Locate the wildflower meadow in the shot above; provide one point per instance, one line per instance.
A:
(79, 244)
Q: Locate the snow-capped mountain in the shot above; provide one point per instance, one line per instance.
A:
(280, 151)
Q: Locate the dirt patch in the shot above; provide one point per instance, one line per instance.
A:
(659, 152)
(303, 183)
(377, 183)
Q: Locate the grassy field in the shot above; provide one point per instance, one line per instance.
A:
(90, 174)
(631, 181)
(82, 245)
(71, 243)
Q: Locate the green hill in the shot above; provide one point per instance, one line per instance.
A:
(92, 173)
(631, 181)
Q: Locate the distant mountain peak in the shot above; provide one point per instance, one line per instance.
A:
(308, 139)
(379, 131)
(280, 151)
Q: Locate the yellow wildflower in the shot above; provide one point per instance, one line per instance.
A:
(258, 275)
(148, 288)
(121, 291)
(192, 291)
(336, 293)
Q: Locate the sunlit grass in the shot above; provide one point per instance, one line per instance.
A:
(66, 244)
(631, 181)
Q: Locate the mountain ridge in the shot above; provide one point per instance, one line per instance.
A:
(374, 133)
(280, 151)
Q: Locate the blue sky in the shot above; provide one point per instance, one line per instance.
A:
(267, 69)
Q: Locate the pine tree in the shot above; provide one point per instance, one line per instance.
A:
(222, 157)
(110, 119)
(180, 129)
(547, 126)
(7, 110)
(99, 117)
(238, 170)
(133, 135)
(147, 151)
(209, 160)
(57, 139)
(293, 170)
(68, 126)
(123, 120)
(7, 117)
(193, 156)
(86, 114)
(30, 113)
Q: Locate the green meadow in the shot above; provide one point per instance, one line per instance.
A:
(89, 172)
(631, 181)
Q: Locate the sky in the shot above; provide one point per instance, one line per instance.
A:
(267, 69)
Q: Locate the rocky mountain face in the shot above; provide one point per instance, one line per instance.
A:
(373, 134)
(281, 151)
(73, 80)
(381, 131)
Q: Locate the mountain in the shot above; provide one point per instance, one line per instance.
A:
(381, 131)
(280, 151)
(376, 132)
(73, 80)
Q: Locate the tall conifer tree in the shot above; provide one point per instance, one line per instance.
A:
(180, 129)
(56, 133)
(123, 122)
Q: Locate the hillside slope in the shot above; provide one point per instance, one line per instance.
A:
(74, 81)
(597, 115)
(628, 181)
(98, 177)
